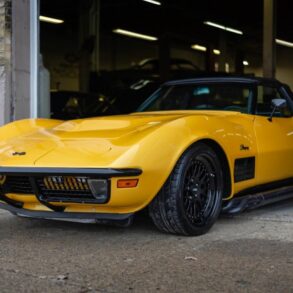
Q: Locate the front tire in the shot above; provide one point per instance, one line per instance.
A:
(190, 201)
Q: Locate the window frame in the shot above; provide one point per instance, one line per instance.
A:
(282, 89)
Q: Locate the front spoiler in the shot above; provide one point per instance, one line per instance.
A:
(68, 216)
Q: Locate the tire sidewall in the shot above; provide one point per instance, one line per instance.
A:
(192, 153)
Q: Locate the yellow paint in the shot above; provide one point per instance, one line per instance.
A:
(151, 141)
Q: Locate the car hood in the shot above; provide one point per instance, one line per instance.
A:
(87, 142)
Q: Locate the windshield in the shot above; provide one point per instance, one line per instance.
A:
(222, 96)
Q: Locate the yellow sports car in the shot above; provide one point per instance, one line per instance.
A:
(193, 149)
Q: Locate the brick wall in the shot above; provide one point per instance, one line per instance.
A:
(6, 103)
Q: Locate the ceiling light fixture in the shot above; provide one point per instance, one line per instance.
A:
(50, 19)
(198, 48)
(134, 35)
(153, 2)
(217, 52)
(284, 43)
(245, 63)
(222, 27)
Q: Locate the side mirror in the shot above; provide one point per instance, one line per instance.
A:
(277, 104)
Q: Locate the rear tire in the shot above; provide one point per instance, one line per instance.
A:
(190, 201)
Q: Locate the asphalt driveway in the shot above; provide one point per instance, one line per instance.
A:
(252, 252)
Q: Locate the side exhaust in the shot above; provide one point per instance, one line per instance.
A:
(253, 201)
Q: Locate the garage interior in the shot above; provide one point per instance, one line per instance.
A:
(110, 55)
(72, 59)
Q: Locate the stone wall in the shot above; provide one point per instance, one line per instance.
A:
(6, 102)
(14, 60)
(21, 72)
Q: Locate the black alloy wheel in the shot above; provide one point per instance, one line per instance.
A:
(190, 201)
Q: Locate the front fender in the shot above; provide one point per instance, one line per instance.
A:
(159, 150)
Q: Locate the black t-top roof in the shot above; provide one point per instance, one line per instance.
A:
(227, 79)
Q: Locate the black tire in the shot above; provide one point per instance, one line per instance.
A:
(190, 201)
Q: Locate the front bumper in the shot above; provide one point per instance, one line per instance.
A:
(34, 173)
(42, 171)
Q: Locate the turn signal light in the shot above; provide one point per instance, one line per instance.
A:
(127, 183)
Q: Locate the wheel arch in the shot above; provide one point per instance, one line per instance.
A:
(224, 162)
(168, 213)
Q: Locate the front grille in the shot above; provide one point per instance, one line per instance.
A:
(17, 184)
(51, 188)
(66, 189)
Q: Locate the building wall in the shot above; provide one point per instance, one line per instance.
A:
(6, 103)
(21, 71)
(14, 60)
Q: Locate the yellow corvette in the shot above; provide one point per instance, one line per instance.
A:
(193, 149)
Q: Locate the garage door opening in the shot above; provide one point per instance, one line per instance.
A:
(101, 57)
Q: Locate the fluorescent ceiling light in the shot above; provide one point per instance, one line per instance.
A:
(134, 35)
(50, 19)
(215, 25)
(245, 63)
(153, 2)
(217, 52)
(284, 43)
(222, 27)
(198, 47)
(233, 30)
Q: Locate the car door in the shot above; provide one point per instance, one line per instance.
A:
(274, 138)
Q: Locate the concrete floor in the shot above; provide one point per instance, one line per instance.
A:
(252, 252)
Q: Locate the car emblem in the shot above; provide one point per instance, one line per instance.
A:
(2, 179)
(244, 147)
(19, 154)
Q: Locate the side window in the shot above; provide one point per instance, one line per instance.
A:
(265, 95)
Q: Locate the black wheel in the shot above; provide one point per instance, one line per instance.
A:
(190, 201)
